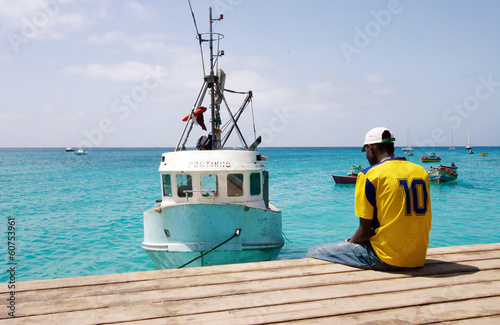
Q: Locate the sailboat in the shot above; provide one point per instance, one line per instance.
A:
(407, 148)
(452, 147)
(215, 206)
(468, 147)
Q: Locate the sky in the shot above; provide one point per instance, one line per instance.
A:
(110, 73)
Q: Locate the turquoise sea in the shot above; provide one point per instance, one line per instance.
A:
(82, 215)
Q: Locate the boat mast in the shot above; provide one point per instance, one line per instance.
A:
(212, 81)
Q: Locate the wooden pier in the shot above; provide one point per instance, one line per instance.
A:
(458, 285)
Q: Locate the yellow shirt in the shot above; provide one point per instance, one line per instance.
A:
(395, 194)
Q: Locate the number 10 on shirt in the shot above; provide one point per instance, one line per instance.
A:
(416, 196)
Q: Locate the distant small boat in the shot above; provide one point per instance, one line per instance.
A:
(409, 154)
(468, 141)
(471, 152)
(407, 148)
(484, 154)
(69, 149)
(452, 147)
(442, 174)
(352, 175)
(80, 152)
(432, 157)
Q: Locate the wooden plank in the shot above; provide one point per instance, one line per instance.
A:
(477, 311)
(487, 320)
(463, 249)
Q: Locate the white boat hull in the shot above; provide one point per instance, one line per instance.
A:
(177, 234)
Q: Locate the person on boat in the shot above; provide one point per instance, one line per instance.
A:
(392, 201)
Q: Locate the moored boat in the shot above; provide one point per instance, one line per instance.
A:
(215, 206)
(80, 152)
(351, 177)
(432, 157)
(70, 149)
(452, 146)
(468, 147)
(407, 148)
(484, 154)
(442, 174)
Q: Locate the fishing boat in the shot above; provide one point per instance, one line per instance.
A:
(80, 152)
(442, 174)
(350, 178)
(215, 206)
(432, 157)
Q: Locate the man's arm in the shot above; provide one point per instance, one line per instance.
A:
(363, 233)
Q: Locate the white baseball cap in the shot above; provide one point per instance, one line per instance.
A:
(375, 136)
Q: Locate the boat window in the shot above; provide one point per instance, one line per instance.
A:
(234, 184)
(255, 183)
(184, 183)
(209, 184)
(167, 185)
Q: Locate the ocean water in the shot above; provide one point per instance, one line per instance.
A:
(82, 215)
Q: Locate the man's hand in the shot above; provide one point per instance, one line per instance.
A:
(364, 232)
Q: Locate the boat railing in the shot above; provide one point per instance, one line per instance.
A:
(207, 191)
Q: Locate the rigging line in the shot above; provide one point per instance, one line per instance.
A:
(229, 121)
(236, 92)
(199, 37)
(253, 119)
(236, 234)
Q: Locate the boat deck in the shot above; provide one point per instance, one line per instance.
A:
(457, 285)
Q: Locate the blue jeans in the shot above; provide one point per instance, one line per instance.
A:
(357, 255)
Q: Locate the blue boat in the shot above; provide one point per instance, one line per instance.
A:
(442, 174)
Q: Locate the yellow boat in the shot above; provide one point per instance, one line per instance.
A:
(483, 154)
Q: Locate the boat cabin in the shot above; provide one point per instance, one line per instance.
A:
(238, 178)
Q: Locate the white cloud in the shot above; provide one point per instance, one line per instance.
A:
(44, 19)
(109, 37)
(126, 71)
(384, 91)
(374, 78)
(12, 10)
(150, 43)
(140, 11)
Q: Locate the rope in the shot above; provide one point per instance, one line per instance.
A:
(236, 234)
(199, 37)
